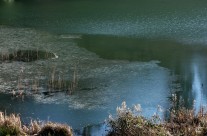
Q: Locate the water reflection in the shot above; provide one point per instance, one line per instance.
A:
(198, 73)
(187, 63)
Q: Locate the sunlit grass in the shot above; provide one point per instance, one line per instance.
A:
(181, 122)
(11, 125)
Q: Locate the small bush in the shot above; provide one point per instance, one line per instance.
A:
(130, 123)
(182, 122)
(186, 122)
(11, 126)
(54, 129)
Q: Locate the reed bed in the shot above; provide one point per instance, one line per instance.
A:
(181, 122)
(55, 81)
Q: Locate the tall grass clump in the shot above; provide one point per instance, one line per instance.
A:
(129, 122)
(58, 83)
(185, 122)
(181, 122)
(55, 129)
(11, 125)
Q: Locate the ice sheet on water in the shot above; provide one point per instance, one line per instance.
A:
(102, 83)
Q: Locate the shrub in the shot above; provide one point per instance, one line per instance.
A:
(130, 123)
(181, 122)
(186, 122)
(11, 126)
(54, 129)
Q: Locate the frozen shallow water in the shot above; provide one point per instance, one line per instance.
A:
(103, 84)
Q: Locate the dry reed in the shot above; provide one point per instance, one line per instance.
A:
(11, 125)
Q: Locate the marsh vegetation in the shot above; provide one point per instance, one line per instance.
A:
(133, 51)
(179, 122)
(55, 81)
(25, 55)
(11, 125)
(127, 122)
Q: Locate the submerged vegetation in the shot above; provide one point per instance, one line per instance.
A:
(53, 80)
(11, 125)
(26, 55)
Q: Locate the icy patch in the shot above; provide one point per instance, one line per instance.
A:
(102, 83)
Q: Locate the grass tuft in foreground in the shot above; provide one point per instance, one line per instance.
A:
(10, 125)
(129, 122)
(182, 122)
(54, 129)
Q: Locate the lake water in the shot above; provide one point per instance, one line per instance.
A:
(133, 51)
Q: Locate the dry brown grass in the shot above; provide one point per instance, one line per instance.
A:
(10, 125)
(129, 122)
(186, 122)
(55, 129)
(182, 122)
